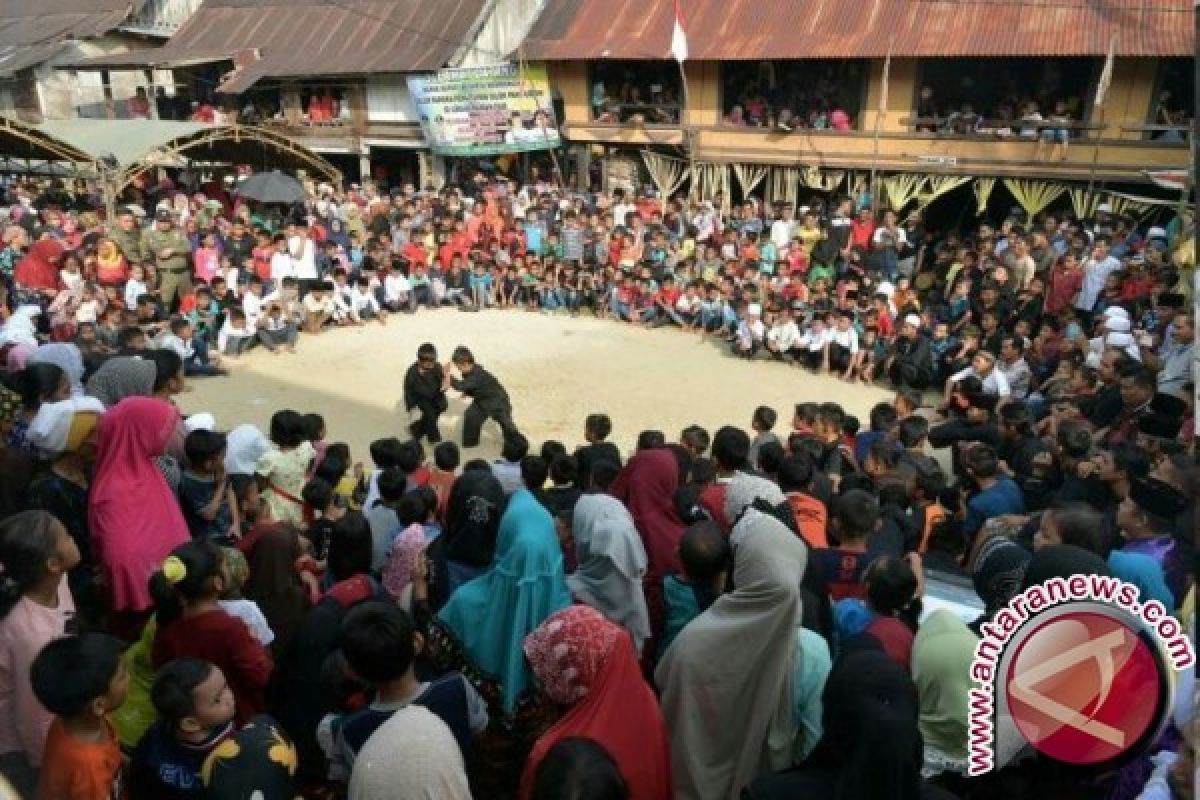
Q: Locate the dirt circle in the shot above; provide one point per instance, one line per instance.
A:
(557, 369)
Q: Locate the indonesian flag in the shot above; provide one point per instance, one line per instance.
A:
(679, 47)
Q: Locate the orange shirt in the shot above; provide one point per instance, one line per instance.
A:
(811, 518)
(77, 770)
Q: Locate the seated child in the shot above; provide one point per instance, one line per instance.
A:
(81, 680)
(704, 559)
(235, 336)
(418, 526)
(207, 499)
(380, 644)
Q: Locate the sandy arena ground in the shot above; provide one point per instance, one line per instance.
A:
(556, 369)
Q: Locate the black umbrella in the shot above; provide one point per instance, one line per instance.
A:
(272, 187)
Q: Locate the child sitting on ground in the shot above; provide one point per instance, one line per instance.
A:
(380, 644)
(704, 560)
(81, 680)
(205, 495)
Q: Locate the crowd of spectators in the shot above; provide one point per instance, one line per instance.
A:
(190, 609)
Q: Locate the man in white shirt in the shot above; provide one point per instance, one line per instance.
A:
(282, 265)
(842, 345)
(783, 228)
(1095, 273)
(983, 367)
(304, 254)
(784, 335)
(812, 344)
(1013, 367)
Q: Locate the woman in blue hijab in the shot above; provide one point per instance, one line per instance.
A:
(491, 615)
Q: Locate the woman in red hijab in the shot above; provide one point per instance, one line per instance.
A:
(35, 280)
(133, 515)
(647, 487)
(588, 664)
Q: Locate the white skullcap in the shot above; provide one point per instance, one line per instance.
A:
(203, 421)
(754, 309)
(1117, 324)
(913, 319)
(1116, 311)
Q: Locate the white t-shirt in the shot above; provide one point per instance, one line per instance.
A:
(282, 266)
(782, 231)
(995, 383)
(252, 306)
(784, 336)
(847, 338)
(1095, 274)
(304, 256)
(815, 340)
(249, 612)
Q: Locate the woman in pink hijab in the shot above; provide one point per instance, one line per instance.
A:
(133, 515)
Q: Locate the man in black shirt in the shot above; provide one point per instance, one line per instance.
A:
(424, 390)
(488, 398)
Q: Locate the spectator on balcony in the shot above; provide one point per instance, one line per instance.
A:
(963, 122)
(839, 120)
(927, 110)
(138, 106)
(1059, 136)
(736, 117)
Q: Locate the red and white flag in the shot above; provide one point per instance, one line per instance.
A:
(679, 47)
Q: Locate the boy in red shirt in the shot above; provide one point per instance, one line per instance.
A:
(81, 680)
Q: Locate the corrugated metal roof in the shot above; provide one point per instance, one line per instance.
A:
(310, 37)
(32, 31)
(765, 29)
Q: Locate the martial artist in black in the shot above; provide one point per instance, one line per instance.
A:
(487, 395)
(424, 389)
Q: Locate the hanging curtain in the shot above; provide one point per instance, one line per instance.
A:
(667, 173)
(711, 180)
(938, 185)
(749, 176)
(1084, 203)
(902, 189)
(785, 185)
(1123, 205)
(856, 183)
(1034, 196)
(983, 190)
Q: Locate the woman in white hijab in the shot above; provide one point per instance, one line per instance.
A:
(726, 680)
(412, 756)
(612, 562)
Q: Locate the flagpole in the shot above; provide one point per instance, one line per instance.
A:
(883, 98)
(1101, 91)
(679, 49)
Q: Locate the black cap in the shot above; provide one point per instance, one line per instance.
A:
(1156, 497)
(163, 215)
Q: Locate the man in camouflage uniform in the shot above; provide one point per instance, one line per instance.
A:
(169, 248)
(128, 237)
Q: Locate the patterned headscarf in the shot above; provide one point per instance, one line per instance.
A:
(568, 650)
